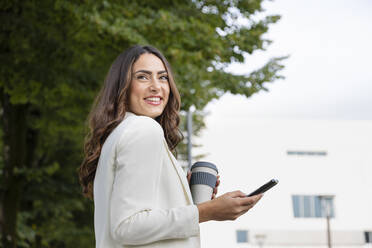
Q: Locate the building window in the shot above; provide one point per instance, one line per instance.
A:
(306, 153)
(368, 237)
(241, 236)
(312, 206)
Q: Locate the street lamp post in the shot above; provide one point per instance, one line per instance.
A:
(189, 134)
(328, 226)
(327, 210)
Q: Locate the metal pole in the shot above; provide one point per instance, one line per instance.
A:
(189, 134)
(327, 209)
(328, 231)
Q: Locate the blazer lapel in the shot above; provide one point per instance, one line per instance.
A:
(181, 175)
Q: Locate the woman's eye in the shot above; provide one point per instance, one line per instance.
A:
(141, 77)
(164, 78)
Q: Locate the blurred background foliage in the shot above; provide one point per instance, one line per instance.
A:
(54, 57)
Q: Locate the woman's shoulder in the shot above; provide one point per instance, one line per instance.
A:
(140, 126)
(141, 123)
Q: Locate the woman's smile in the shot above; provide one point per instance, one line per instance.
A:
(153, 100)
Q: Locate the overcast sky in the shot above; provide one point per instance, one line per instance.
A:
(329, 72)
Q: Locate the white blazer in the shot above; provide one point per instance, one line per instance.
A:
(141, 195)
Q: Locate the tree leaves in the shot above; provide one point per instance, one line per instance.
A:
(55, 55)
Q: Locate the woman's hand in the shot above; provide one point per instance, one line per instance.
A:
(215, 189)
(229, 206)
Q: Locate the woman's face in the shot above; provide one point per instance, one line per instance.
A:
(149, 88)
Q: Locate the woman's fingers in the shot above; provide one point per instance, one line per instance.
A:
(250, 201)
(247, 203)
(217, 183)
(237, 193)
(188, 176)
(215, 189)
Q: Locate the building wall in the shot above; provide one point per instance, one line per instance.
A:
(249, 152)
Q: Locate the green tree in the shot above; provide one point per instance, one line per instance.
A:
(54, 56)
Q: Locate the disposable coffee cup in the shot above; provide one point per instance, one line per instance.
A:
(203, 180)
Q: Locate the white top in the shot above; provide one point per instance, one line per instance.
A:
(141, 194)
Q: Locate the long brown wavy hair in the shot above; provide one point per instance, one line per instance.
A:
(111, 104)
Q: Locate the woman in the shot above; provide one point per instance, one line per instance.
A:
(141, 195)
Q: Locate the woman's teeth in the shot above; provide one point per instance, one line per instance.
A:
(153, 99)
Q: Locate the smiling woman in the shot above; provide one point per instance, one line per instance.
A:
(141, 195)
(149, 89)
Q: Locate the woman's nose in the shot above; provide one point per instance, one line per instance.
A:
(155, 84)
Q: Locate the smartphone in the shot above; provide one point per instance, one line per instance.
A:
(264, 187)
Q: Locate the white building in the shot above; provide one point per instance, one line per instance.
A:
(311, 159)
